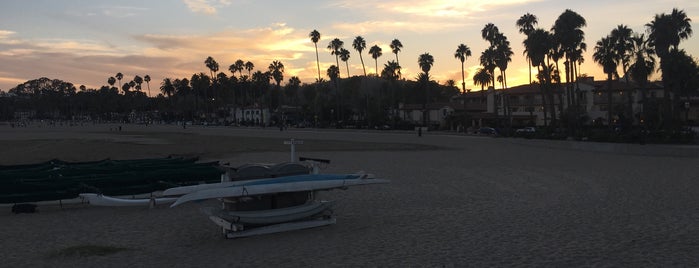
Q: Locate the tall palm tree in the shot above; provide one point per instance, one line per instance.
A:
(344, 56)
(238, 66)
(147, 80)
(335, 46)
(396, 46)
(138, 80)
(490, 33)
(119, 76)
(390, 72)
(537, 46)
(111, 81)
(664, 32)
(212, 65)
(213, 69)
(487, 60)
(462, 53)
(425, 61)
(623, 43)
(334, 73)
(315, 37)
(526, 24)
(642, 67)
(359, 44)
(375, 52)
(606, 55)
(167, 87)
(503, 56)
(249, 67)
(568, 34)
(276, 70)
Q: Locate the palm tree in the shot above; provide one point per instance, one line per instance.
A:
(487, 60)
(138, 81)
(490, 33)
(238, 66)
(212, 65)
(276, 70)
(334, 74)
(249, 67)
(606, 55)
(526, 25)
(482, 78)
(623, 43)
(119, 76)
(359, 45)
(292, 87)
(335, 46)
(213, 68)
(111, 81)
(425, 61)
(391, 72)
(315, 37)
(462, 53)
(167, 87)
(643, 67)
(568, 34)
(665, 31)
(147, 80)
(537, 46)
(503, 55)
(396, 46)
(375, 52)
(344, 56)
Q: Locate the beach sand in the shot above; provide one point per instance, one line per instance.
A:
(453, 201)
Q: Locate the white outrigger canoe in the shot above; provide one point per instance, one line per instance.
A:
(108, 201)
(271, 216)
(298, 183)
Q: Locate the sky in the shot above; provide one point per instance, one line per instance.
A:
(86, 42)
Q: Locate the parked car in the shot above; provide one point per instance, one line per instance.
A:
(526, 130)
(487, 131)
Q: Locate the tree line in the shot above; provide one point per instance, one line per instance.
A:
(556, 54)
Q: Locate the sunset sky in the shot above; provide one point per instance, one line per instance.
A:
(86, 42)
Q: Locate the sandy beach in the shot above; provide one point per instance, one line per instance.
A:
(454, 201)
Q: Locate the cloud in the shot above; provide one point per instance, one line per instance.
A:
(208, 7)
(120, 11)
(91, 62)
(431, 8)
(367, 27)
(5, 34)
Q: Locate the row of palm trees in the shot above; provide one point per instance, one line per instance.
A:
(544, 49)
(634, 53)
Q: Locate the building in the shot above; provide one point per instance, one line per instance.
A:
(524, 105)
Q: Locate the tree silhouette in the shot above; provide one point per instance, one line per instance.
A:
(119, 76)
(396, 46)
(344, 56)
(606, 55)
(526, 25)
(335, 47)
(147, 80)
(315, 37)
(462, 53)
(359, 45)
(375, 52)
(425, 61)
